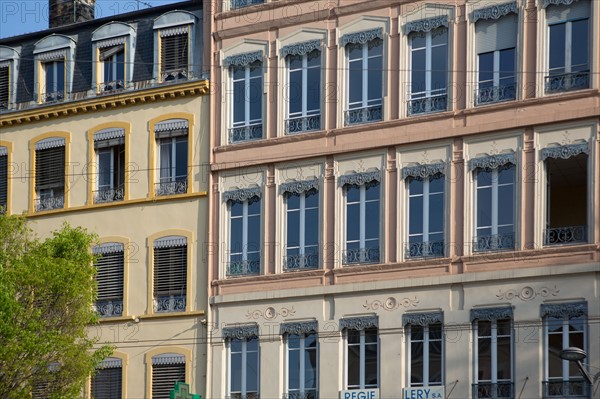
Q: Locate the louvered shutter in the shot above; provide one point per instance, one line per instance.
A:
(50, 168)
(174, 52)
(3, 177)
(166, 371)
(109, 272)
(4, 86)
(107, 381)
(492, 35)
(170, 269)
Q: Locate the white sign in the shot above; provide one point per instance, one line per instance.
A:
(360, 394)
(424, 393)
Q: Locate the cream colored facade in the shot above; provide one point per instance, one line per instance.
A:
(265, 301)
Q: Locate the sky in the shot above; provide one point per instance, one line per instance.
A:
(26, 16)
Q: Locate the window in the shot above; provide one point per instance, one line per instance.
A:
(364, 58)
(174, 54)
(54, 59)
(428, 42)
(54, 80)
(109, 276)
(113, 67)
(425, 211)
(244, 368)
(425, 349)
(362, 218)
(172, 141)
(4, 85)
(246, 74)
(3, 179)
(564, 326)
(568, 47)
(302, 225)
(362, 352)
(113, 53)
(50, 174)
(492, 330)
(108, 379)
(170, 274)
(566, 193)
(235, 4)
(302, 365)
(167, 369)
(303, 61)
(494, 202)
(109, 145)
(244, 232)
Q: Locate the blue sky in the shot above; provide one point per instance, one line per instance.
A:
(25, 16)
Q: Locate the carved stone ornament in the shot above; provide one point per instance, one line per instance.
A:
(359, 178)
(426, 25)
(547, 3)
(492, 161)
(244, 59)
(565, 151)
(391, 303)
(527, 293)
(569, 310)
(270, 313)
(359, 323)
(301, 48)
(242, 194)
(422, 319)
(362, 37)
(298, 187)
(241, 332)
(299, 327)
(423, 170)
(495, 11)
(491, 314)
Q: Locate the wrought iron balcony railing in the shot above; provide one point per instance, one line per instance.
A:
(303, 124)
(247, 395)
(427, 105)
(47, 204)
(565, 389)
(245, 133)
(500, 390)
(243, 268)
(112, 86)
(567, 82)
(109, 308)
(174, 75)
(171, 187)
(359, 116)
(430, 249)
(308, 394)
(496, 242)
(244, 3)
(360, 255)
(565, 235)
(169, 303)
(496, 94)
(53, 96)
(300, 262)
(109, 195)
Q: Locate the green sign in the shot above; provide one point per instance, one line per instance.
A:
(182, 391)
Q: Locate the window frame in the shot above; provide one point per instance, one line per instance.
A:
(110, 248)
(10, 58)
(166, 350)
(302, 350)
(244, 363)
(245, 264)
(424, 320)
(124, 359)
(6, 147)
(359, 325)
(109, 35)
(309, 261)
(50, 50)
(66, 137)
(167, 24)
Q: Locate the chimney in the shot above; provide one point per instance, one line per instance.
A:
(66, 12)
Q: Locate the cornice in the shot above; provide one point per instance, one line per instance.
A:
(102, 103)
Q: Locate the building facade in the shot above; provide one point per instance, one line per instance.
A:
(404, 198)
(104, 125)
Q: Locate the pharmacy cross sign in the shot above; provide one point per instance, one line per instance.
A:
(182, 391)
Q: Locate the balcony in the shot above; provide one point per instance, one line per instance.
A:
(495, 242)
(428, 105)
(500, 390)
(50, 203)
(565, 389)
(235, 4)
(430, 249)
(567, 82)
(247, 395)
(174, 75)
(241, 268)
(169, 303)
(111, 87)
(245, 133)
(171, 187)
(495, 94)
(112, 308)
(360, 255)
(54, 96)
(109, 195)
(310, 394)
(359, 116)
(300, 262)
(303, 124)
(565, 235)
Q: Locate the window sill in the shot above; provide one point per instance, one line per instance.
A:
(189, 313)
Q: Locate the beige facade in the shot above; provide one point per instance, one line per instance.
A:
(268, 292)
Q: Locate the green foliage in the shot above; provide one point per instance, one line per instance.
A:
(47, 290)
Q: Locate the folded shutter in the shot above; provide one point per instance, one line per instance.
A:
(4, 87)
(174, 52)
(170, 266)
(166, 371)
(50, 164)
(3, 177)
(107, 381)
(492, 35)
(109, 274)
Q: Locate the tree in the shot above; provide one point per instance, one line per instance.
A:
(47, 290)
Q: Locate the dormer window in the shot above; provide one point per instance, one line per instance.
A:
(174, 56)
(9, 60)
(4, 84)
(114, 45)
(54, 57)
(113, 62)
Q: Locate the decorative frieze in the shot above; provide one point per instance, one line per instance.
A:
(359, 323)
(492, 161)
(426, 25)
(423, 170)
(240, 331)
(242, 194)
(301, 48)
(299, 327)
(491, 314)
(362, 37)
(563, 310)
(359, 178)
(495, 11)
(422, 319)
(547, 3)
(390, 303)
(527, 293)
(270, 313)
(298, 187)
(565, 151)
(243, 59)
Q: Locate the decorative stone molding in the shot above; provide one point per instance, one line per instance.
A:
(391, 303)
(362, 37)
(491, 314)
(495, 11)
(299, 327)
(242, 194)
(527, 293)
(359, 323)
(569, 310)
(492, 161)
(423, 170)
(426, 25)
(422, 319)
(240, 332)
(298, 187)
(359, 178)
(270, 313)
(565, 151)
(547, 3)
(243, 59)
(301, 48)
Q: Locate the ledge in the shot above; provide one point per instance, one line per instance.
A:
(118, 319)
(154, 316)
(101, 103)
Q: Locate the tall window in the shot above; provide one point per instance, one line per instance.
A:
(302, 229)
(113, 67)
(170, 274)
(425, 212)
(244, 3)
(4, 84)
(109, 276)
(429, 68)
(362, 352)
(244, 232)
(107, 381)
(364, 57)
(362, 219)
(304, 86)
(302, 372)
(174, 56)
(3, 179)
(492, 329)
(568, 47)
(172, 141)
(246, 74)
(50, 174)
(167, 369)
(54, 80)
(564, 326)
(425, 349)
(494, 202)
(109, 145)
(244, 368)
